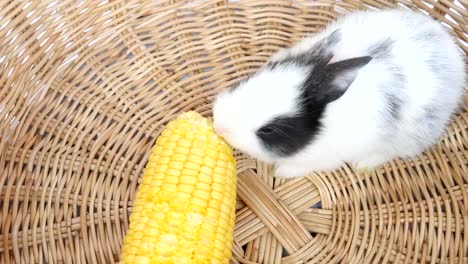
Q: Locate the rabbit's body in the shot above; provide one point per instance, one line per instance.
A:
(392, 81)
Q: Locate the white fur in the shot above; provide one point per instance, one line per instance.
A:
(354, 127)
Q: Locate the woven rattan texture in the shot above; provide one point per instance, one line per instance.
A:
(86, 86)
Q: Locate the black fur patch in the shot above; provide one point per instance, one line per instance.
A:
(437, 64)
(236, 86)
(425, 36)
(327, 43)
(394, 99)
(319, 86)
(430, 112)
(319, 52)
(394, 103)
(430, 116)
(382, 50)
(286, 135)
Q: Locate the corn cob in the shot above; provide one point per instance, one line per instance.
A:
(184, 208)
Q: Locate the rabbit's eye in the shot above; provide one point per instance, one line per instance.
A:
(266, 130)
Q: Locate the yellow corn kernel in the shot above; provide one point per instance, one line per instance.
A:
(185, 206)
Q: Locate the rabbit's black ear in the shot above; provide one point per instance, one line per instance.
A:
(329, 82)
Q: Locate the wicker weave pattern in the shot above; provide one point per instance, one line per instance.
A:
(85, 88)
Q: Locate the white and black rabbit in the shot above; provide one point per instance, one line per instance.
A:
(373, 86)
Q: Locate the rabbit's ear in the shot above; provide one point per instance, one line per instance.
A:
(327, 83)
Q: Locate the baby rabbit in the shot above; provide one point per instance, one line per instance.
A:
(373, 86)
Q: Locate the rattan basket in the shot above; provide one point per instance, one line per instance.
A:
(86, 86)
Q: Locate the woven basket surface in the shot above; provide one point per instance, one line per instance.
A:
(86, 87)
